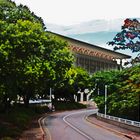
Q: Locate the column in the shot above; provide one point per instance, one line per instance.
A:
(88, 96)
(82, 97)
(120, 64)
(75, 97)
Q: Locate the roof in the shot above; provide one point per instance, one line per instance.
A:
(116, 54)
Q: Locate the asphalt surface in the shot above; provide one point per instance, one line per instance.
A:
(72, 125)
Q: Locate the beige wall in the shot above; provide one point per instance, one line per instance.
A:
(90, 62)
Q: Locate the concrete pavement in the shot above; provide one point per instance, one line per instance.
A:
(129, 134)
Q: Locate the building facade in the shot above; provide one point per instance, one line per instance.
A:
(92, 57)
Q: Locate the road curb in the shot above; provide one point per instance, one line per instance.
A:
(107, 128)
(40, 126)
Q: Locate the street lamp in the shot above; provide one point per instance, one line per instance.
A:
(98, 91)
(105, 99)
(50, 100)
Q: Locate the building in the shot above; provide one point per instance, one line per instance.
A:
(92, 57)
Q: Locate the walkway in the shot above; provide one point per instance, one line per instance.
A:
(113, 128)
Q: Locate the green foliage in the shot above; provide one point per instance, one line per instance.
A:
(75, 79)
(66, 105)
(102, 78)
(123, 98)
(31, 60)
(17, 120)
(21, 49)
(11, 13)
(100, 103)
(82, 79)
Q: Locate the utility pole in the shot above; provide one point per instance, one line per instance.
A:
(105, 99)
(98, 91)
(50, 94)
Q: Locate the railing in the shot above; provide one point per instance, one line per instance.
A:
(121, 120)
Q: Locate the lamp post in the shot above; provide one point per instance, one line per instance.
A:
(50, 101)
(98, 91)
(51, 106)
(50, 94)
(105, 99)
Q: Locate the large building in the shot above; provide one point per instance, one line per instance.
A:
(94, 58)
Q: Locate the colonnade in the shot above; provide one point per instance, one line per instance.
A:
(82, 99)
(92, 64)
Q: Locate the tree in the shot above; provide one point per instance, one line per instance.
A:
(31, 60)
(125, 101)
(102, 78)
(82, 79)
(99, 80)
(21, 48)
(128, 38)
(28, 54)
(11, 13)
(75, 79)
(123, 98)
(61, 60)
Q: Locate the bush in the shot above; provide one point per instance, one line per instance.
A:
(17, 119)
(67, 105)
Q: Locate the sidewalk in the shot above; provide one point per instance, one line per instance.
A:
(121, 131)
(34, 132)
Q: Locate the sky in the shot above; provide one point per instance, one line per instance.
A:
(70, 12)
(82, 15)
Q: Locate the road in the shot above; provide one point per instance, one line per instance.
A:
(71, 125)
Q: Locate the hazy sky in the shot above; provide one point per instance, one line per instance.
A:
(68, 12)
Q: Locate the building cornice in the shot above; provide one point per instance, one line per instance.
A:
(91, 49)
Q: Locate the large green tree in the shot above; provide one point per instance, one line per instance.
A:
(99, 80)
(10, 12)
(31, 60)
(21, 49)
(75, 79)
(125, 101)
(123, 92)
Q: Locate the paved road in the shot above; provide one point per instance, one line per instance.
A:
(71, 125)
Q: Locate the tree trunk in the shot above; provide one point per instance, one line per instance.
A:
(26, 101)
(6, 103)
